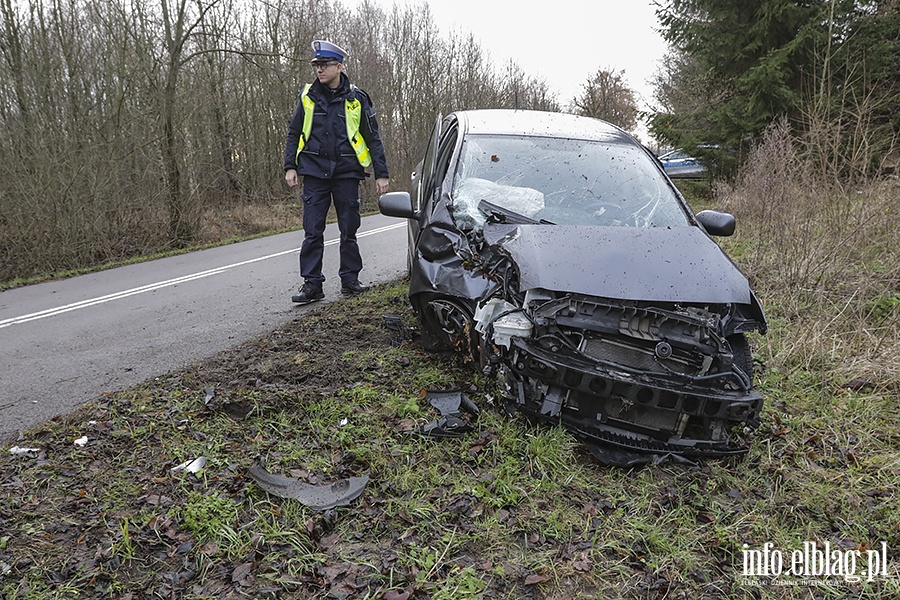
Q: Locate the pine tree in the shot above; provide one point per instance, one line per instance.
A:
(755, 60)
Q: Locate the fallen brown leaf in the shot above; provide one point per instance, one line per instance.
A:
(241, 572)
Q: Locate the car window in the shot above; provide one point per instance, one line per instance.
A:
(562, 181)
(425, 179)
(445, 151)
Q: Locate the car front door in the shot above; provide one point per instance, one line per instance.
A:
(422, 196)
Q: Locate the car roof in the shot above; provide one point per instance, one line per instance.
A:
(539, 123)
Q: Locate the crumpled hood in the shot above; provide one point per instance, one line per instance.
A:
(679, 264)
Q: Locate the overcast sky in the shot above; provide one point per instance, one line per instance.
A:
(564, 41)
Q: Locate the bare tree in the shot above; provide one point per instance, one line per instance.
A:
(606, 96)
(180, 22)
(127, 126)
(11, 51)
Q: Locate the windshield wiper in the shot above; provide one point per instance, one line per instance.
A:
(498, 214)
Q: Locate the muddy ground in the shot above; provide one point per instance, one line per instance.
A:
(90, 506)
(109, 518)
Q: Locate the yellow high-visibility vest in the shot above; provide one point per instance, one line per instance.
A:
(352, 115)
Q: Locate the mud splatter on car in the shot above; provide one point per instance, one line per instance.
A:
(553, 250)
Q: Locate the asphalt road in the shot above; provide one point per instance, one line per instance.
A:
(63, 343)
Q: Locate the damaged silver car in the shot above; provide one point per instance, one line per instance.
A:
(554, 250)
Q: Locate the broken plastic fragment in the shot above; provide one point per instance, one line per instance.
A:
(449, 402)
(209, 394)
(393, 322)
(191, 466)
(449, 426)
(20, 451)
(83, 440)
(317, 497)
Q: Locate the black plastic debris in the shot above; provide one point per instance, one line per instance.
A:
(393, 322)
(445, 427)
(859, 385)
(450, 423)
(317, 497)
(401, 331)
(449, 402)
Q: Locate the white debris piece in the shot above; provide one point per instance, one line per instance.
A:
(191, 466)
(16, 450)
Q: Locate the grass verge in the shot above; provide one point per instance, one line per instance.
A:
(510, 510)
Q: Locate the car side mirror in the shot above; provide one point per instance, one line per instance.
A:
(716, 223)
(397, 204)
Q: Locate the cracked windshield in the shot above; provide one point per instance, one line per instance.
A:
(559, 181)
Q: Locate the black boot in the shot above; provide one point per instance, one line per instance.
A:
(310, 292)
(351, 288)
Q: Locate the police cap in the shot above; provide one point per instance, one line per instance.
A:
(324, 51)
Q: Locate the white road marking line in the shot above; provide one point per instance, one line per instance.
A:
(155, 286)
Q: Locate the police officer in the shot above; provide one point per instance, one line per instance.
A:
(332, 138)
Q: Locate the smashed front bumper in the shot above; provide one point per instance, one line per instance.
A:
(640, 412)
(647, 381)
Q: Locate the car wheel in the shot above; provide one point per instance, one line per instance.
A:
(446, 323)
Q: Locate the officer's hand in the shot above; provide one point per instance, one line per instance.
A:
(381, 185)
(290, 176)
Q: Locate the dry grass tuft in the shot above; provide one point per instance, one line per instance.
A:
(249, 219)
(825, 260)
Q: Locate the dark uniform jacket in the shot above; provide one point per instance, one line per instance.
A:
(327, 154)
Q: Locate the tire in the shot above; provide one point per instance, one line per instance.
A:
(743, 358)
(446, 323)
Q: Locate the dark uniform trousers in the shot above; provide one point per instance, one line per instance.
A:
(318, 195)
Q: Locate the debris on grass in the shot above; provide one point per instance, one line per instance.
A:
(401, 331)
(191, 466)
(449, 402)
(23, 451)
(480, 517)
(445, 427)
(317, 497)
(450, 424)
